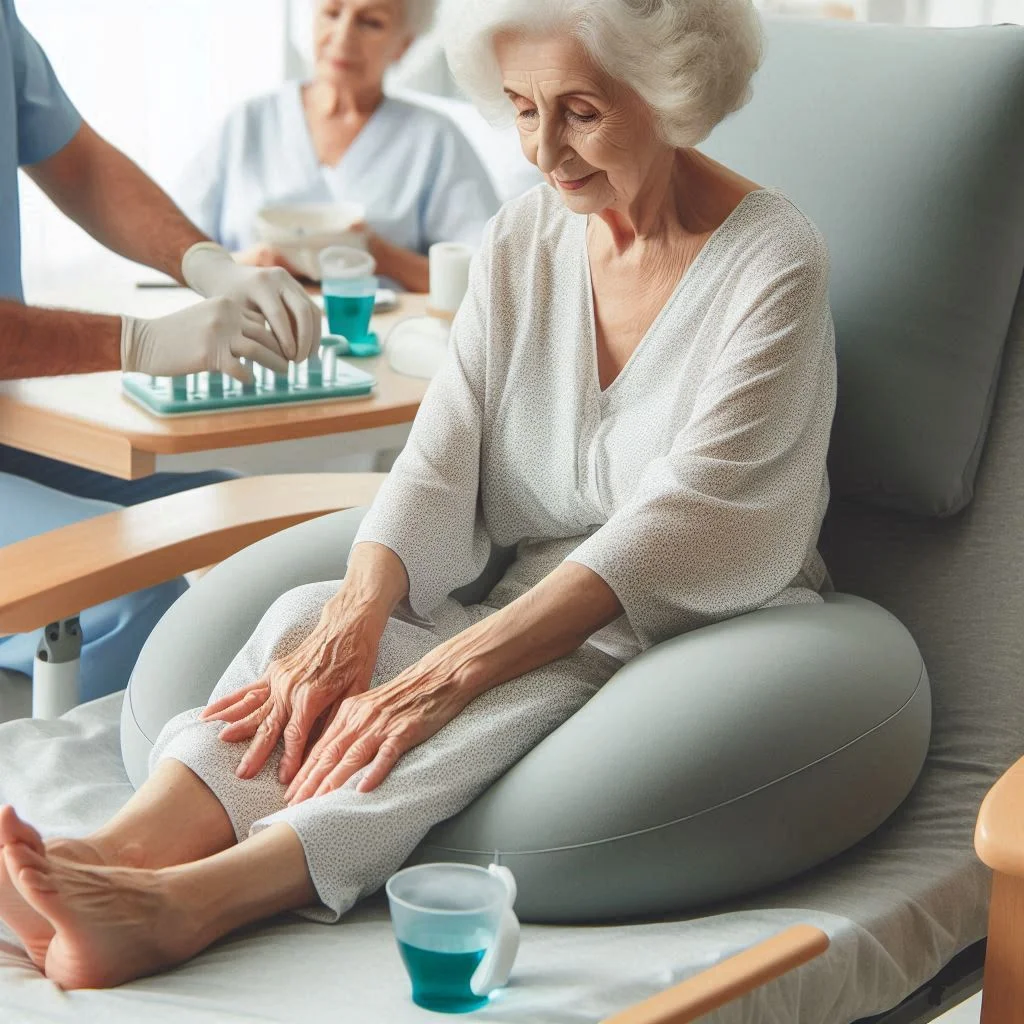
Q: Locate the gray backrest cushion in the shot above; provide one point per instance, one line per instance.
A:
(906, 147)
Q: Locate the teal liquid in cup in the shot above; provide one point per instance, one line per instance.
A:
(456, 932)
(440, 981)
(348, 315)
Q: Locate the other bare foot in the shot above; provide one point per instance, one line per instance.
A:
(32, 929)
(111, 924)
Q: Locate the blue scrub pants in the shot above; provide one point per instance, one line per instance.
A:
(38, 495)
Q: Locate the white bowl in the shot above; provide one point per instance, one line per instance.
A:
(301, 230)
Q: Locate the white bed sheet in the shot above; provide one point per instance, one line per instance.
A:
(896, 909)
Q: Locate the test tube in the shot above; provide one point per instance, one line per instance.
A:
(314, 370)
(215, 385)
(179, 388)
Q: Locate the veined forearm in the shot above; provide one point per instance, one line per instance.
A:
(374, 584)
(550, 621)
(38, 342)
(98, 187)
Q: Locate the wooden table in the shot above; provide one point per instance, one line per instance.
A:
(85, 420)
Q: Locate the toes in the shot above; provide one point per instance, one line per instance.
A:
(31, 874)
(14, 830)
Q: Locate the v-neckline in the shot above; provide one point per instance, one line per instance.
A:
(358, 140)
(687, 274)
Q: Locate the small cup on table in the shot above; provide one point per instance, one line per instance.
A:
(349, 288)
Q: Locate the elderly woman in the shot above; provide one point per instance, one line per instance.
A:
(338, 137)
(639, 395)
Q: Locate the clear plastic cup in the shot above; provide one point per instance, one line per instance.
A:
(456, 932)
(349, 289)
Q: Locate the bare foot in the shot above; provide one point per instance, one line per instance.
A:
(33, 930)
(111, 924)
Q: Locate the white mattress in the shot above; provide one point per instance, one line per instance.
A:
(897, 909)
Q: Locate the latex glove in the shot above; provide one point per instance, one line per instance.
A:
(209, 269)
(212, 335)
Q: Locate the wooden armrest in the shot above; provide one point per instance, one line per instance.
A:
(728, 980)
(60, 573)
(999, 837)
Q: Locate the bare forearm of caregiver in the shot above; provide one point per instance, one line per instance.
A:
(38, 342)
(100, 189)
(408, 268)
(548, 622)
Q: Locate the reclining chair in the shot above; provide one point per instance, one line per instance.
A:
(905, 147)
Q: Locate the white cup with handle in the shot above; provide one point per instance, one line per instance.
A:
(456, 930)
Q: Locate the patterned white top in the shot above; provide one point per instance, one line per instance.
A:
(694, 485)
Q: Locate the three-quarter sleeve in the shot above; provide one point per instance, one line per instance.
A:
(725, 520)
(428, 509)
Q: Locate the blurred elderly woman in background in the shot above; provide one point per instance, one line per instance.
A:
(338, 138)
(638, 396)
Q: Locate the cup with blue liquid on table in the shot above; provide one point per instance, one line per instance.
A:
(349, 289)
(456, 931)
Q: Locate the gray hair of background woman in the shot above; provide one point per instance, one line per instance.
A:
(418, 14)
(691, 61)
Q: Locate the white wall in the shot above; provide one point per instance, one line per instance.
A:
(155, 77)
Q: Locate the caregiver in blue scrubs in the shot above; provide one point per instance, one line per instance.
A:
(262, 315)
(339, 138)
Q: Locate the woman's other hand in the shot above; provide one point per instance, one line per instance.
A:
(265, 255)
(377, 727)
(335, 661)
(303, 689)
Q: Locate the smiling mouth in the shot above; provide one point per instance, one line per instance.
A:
(577, 183)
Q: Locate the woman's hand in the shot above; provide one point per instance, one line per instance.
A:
(334, 662)
(264, 255)
(377, 727)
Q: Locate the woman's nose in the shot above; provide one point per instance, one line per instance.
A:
(343, 35)
(550, 144)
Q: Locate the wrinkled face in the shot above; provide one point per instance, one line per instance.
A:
(354, 41)
(591, 136)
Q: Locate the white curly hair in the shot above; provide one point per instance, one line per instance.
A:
(691, 61)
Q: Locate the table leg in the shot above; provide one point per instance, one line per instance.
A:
(55, 669)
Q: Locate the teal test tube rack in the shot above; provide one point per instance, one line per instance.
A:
(322, 377)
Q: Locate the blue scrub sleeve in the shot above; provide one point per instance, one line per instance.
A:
(47, 119)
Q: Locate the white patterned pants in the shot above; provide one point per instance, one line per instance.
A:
(354, 841)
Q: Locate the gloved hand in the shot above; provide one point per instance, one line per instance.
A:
(209, 269)
(210, 335)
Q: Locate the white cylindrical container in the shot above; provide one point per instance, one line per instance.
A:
(449, 276)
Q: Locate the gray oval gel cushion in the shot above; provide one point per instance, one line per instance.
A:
(724, 760)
